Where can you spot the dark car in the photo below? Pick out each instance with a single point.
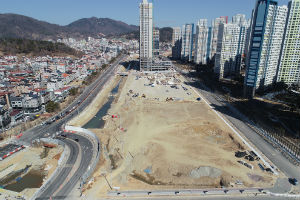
(48, 122)
(293, 181)
(76, 139)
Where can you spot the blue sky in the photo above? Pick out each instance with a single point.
(166, 12)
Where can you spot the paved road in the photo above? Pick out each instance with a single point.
(58, 181)
(234, 117)
(59, 189)
(202, 198)
(86, 156)
(84, 145)
(85, 98)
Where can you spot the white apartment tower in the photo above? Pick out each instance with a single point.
(289, 69)
(239, 19)
(146, 34)
(176, 35)
(214, 35)
(230, 47)
(176, 43)
(187, 42)
(201, 42)
(156, 42)
(267, 30)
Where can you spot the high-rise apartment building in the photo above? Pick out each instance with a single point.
(176, 43)
(201, 42)
(266, 37)
(289, 68)
(209, 36)
(156, 42)
(146, 34)
(214, 35)
(176, 35)
(187, 42)
(225, 19)
(230, 47)
(239, 19)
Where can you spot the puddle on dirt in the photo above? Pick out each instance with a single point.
(97, 121)
(15, 181)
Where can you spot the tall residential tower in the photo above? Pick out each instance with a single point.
(230, 47)
(268, 24)
(289, 70)
(187, 42)
(156, 42)
(176, 43)
(146, 34)
(201, 42)
(214, 35)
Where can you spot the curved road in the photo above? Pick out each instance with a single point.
(64, 182)
(58, 181)
(84, 147)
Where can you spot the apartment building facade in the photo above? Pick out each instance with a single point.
(214, 35)
(146, 34)
(289, 67)
(187, 42)
(230, 47)
(176, 43)
(266, 38)
(201, 42)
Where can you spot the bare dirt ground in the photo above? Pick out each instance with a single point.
(39, 159)
(159, 144)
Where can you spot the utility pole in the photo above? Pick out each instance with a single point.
(104, 175)
(81, 185)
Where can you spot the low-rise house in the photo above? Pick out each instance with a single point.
(16, 102)
(32, 105)
(45, 97)
(16, 115)
(4, 116)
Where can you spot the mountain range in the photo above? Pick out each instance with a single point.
(19, 26)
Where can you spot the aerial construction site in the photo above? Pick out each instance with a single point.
(160, 134)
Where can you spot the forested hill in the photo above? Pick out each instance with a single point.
(12, 46)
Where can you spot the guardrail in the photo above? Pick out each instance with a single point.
(270, 138)
(283, 145)
(66, 151)
(296, 196)
(96, 144)
(61, 162)
(233, 128)
(187, 192)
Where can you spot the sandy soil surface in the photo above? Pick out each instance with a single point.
(41, 160)
(179, 143)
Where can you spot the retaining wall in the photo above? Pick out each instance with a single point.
(96, 154)
(61, 162)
